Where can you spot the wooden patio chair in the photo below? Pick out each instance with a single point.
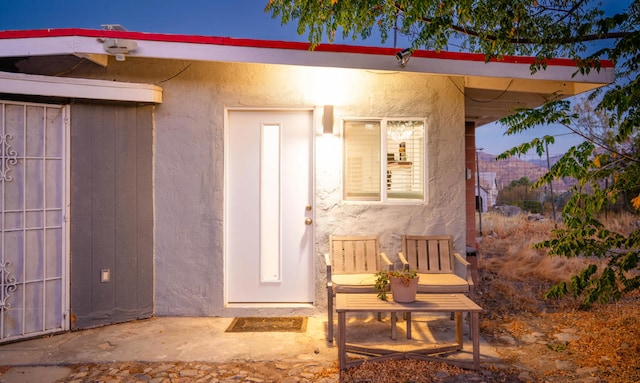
(435, 261)
(352, 263)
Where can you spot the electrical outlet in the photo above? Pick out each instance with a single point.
(105, 275)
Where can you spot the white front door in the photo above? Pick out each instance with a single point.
(269, 206)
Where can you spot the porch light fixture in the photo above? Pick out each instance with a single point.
(119, 47)
(327, 120)
(403, 57)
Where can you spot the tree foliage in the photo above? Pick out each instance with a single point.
(607, 169)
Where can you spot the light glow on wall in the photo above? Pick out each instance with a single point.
(329, 86)
(329, 162)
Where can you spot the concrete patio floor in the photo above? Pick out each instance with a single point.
(187, 339)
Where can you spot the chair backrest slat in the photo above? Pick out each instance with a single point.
(433, 249)
(354, 255)
(429, 254)
(337, 256)
(446, 255)
(422, 255)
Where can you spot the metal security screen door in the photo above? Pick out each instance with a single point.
(33, 239)
(268, 211)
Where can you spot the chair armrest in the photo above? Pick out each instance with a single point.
(327, 260)
(405, 263)
(386, 261)
(458, 258)
(462, 261)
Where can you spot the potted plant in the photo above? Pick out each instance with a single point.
(404, 285)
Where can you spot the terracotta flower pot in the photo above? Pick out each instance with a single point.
(402, 293)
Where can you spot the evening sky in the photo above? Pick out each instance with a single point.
(225, 18)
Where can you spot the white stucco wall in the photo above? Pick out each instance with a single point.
(398, 95)
(189, 163)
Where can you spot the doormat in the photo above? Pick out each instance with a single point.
(268, 324)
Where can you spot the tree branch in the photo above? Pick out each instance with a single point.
(523, 41)
(601, 145)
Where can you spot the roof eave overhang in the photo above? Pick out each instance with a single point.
(511, 74)
(201, 48)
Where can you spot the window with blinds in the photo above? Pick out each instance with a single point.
(362, 160)
(400, 176)
(405, 159)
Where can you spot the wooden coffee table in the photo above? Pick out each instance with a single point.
(457, 303)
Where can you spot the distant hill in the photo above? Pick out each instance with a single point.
(542, 162)
(515, 168)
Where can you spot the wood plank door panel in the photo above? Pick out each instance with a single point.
(112, 216)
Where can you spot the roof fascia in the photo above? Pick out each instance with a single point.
(18, 83)
(201, 48)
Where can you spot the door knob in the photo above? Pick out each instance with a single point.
(308, 221)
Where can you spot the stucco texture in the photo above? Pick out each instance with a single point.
(189, 163)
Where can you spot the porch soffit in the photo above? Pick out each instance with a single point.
(27, 84)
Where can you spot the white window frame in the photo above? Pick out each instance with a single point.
(383, 192)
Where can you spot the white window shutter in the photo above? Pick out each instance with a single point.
(362, 160)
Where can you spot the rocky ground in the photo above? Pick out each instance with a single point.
(602, 345)
(557, 341)
(538, 340)
(543, 345)
(258, 372)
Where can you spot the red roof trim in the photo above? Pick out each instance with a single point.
(273, 44)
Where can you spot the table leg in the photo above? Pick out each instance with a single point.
(459, 329)
(475, 326)
(408, 316)
(342, 340)
(394, 330)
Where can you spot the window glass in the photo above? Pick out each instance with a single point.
(362, 160)
(401, 176)
(405, 159)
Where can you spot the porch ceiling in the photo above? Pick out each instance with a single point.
(488, 99)
(484, 106)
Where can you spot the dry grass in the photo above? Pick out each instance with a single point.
(621, 223)
(513, 280)
(508, 249)
(394, 371)
(518, 274)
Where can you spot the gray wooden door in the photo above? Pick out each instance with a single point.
(111, 213)
(33, 213)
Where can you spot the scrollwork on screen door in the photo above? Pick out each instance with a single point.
(9, 158)
(7, 285)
